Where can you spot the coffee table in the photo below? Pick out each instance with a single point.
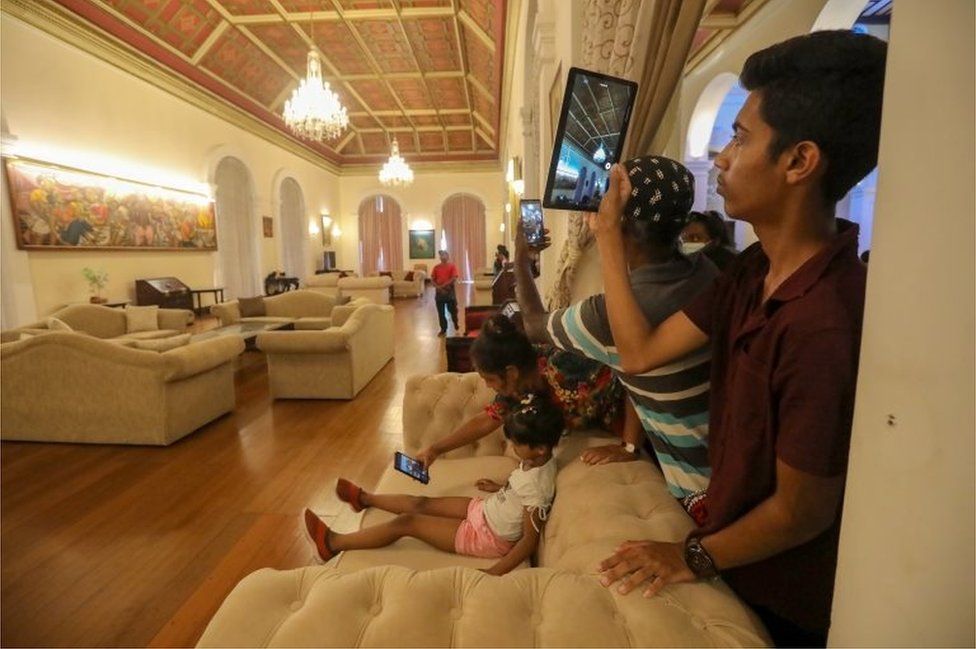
(247, 330)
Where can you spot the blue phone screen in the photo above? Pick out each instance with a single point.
(411, 467)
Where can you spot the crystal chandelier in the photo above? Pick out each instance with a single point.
(314, 111)
(396, 172)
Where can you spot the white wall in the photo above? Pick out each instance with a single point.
(422, 200)
(57, 97)
(906, 571)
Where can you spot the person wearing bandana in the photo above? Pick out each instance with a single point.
(672, 402)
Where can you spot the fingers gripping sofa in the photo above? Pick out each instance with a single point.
(410, 594)
(71, 387)
(332, 364)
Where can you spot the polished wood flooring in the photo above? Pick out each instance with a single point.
(138, 546)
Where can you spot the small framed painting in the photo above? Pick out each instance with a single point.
(268, 224)
(422, 244)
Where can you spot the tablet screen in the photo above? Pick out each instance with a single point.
(592, 127)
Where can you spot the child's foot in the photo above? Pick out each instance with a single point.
(350, 493)
(318, 531)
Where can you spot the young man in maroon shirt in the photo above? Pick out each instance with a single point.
(784, 323)
(444, 276)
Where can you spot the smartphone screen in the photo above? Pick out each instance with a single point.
(411, 467)
(532, 221)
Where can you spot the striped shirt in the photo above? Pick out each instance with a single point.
(671, 401)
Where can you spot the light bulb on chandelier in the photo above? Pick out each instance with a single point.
(396, 171)
(314, 110)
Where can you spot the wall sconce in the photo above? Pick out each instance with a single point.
(508, 208)
(501, 227)
(313, 229)
(326, 221)
(518, 186)
(336, 232)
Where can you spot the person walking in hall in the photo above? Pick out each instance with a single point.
(445, 276)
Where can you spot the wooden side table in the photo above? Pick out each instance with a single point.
(197, 293)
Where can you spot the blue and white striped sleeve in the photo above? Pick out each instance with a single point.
(584, 328)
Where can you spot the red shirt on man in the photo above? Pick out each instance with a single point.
(441, 274)
(783, 378)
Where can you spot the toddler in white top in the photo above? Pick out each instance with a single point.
(505, 525)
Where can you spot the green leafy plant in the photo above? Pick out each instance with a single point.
(97, 279)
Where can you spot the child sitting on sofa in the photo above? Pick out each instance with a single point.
(504, 526)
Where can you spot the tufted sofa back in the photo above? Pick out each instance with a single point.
(433, 406)
(392, 606)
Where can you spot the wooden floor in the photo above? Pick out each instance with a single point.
(138, 546)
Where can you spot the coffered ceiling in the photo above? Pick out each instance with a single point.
(426, 71)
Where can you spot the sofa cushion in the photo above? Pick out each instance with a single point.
(149, 335)
(251, 306)
(268, 319)
(408, 277)
(56, 324)
(313, 323)
(141, 318)
(162, 344)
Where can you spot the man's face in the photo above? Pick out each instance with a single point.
(751, 183)
(444, 257)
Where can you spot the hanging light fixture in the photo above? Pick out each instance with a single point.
(396, 171)
(314, 111)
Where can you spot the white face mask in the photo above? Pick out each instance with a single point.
(689, 248)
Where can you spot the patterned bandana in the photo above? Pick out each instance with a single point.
(662, 194)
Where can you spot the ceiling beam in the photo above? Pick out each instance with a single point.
(207, 44)
(476, 29)
(719, 21)
(462, 57)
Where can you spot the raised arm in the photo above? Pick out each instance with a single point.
(524, 547)
(534, 314)
(640, 346)
(470, 431)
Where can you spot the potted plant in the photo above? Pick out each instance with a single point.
(97, 279)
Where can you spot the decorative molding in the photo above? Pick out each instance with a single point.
(51, 19)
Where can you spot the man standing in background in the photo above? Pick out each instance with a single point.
(444, 276)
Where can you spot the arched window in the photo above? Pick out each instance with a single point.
(380, 237)
(236, 231)
(294, 229)
(463, 218)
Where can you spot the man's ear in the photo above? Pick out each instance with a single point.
(805, 162)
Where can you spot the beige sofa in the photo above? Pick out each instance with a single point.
(305, 309)
(374, 289)
(105, 322)
(410, 594)
(333, 364)
(402, 287)
(327, 283)
(71, 387)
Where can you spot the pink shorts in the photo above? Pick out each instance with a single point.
(475, 539)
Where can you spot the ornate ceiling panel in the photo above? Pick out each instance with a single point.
(720, 20)
(426, 71)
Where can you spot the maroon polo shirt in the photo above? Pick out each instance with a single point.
(783, 378)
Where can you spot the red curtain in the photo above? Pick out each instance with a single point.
(380, 236)
(463, 219)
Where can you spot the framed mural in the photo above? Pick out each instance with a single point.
(58, 208)
(422, 244)
(555, 101)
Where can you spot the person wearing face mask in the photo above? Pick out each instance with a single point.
(706, 233)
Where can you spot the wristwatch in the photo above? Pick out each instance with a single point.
(630, 448)
(698, 559)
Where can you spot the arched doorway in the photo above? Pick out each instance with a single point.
(463, 220)
(708, 132)
(380, 235)
(236, 230)
(294, 230)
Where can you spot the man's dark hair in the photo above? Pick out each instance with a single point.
(536, 421)
(653, 238)
(500, 344)
(825, 87)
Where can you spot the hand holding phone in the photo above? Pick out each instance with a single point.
(413, 468)
(531, 218)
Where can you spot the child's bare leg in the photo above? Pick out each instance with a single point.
(451, 507)
(439, 531)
